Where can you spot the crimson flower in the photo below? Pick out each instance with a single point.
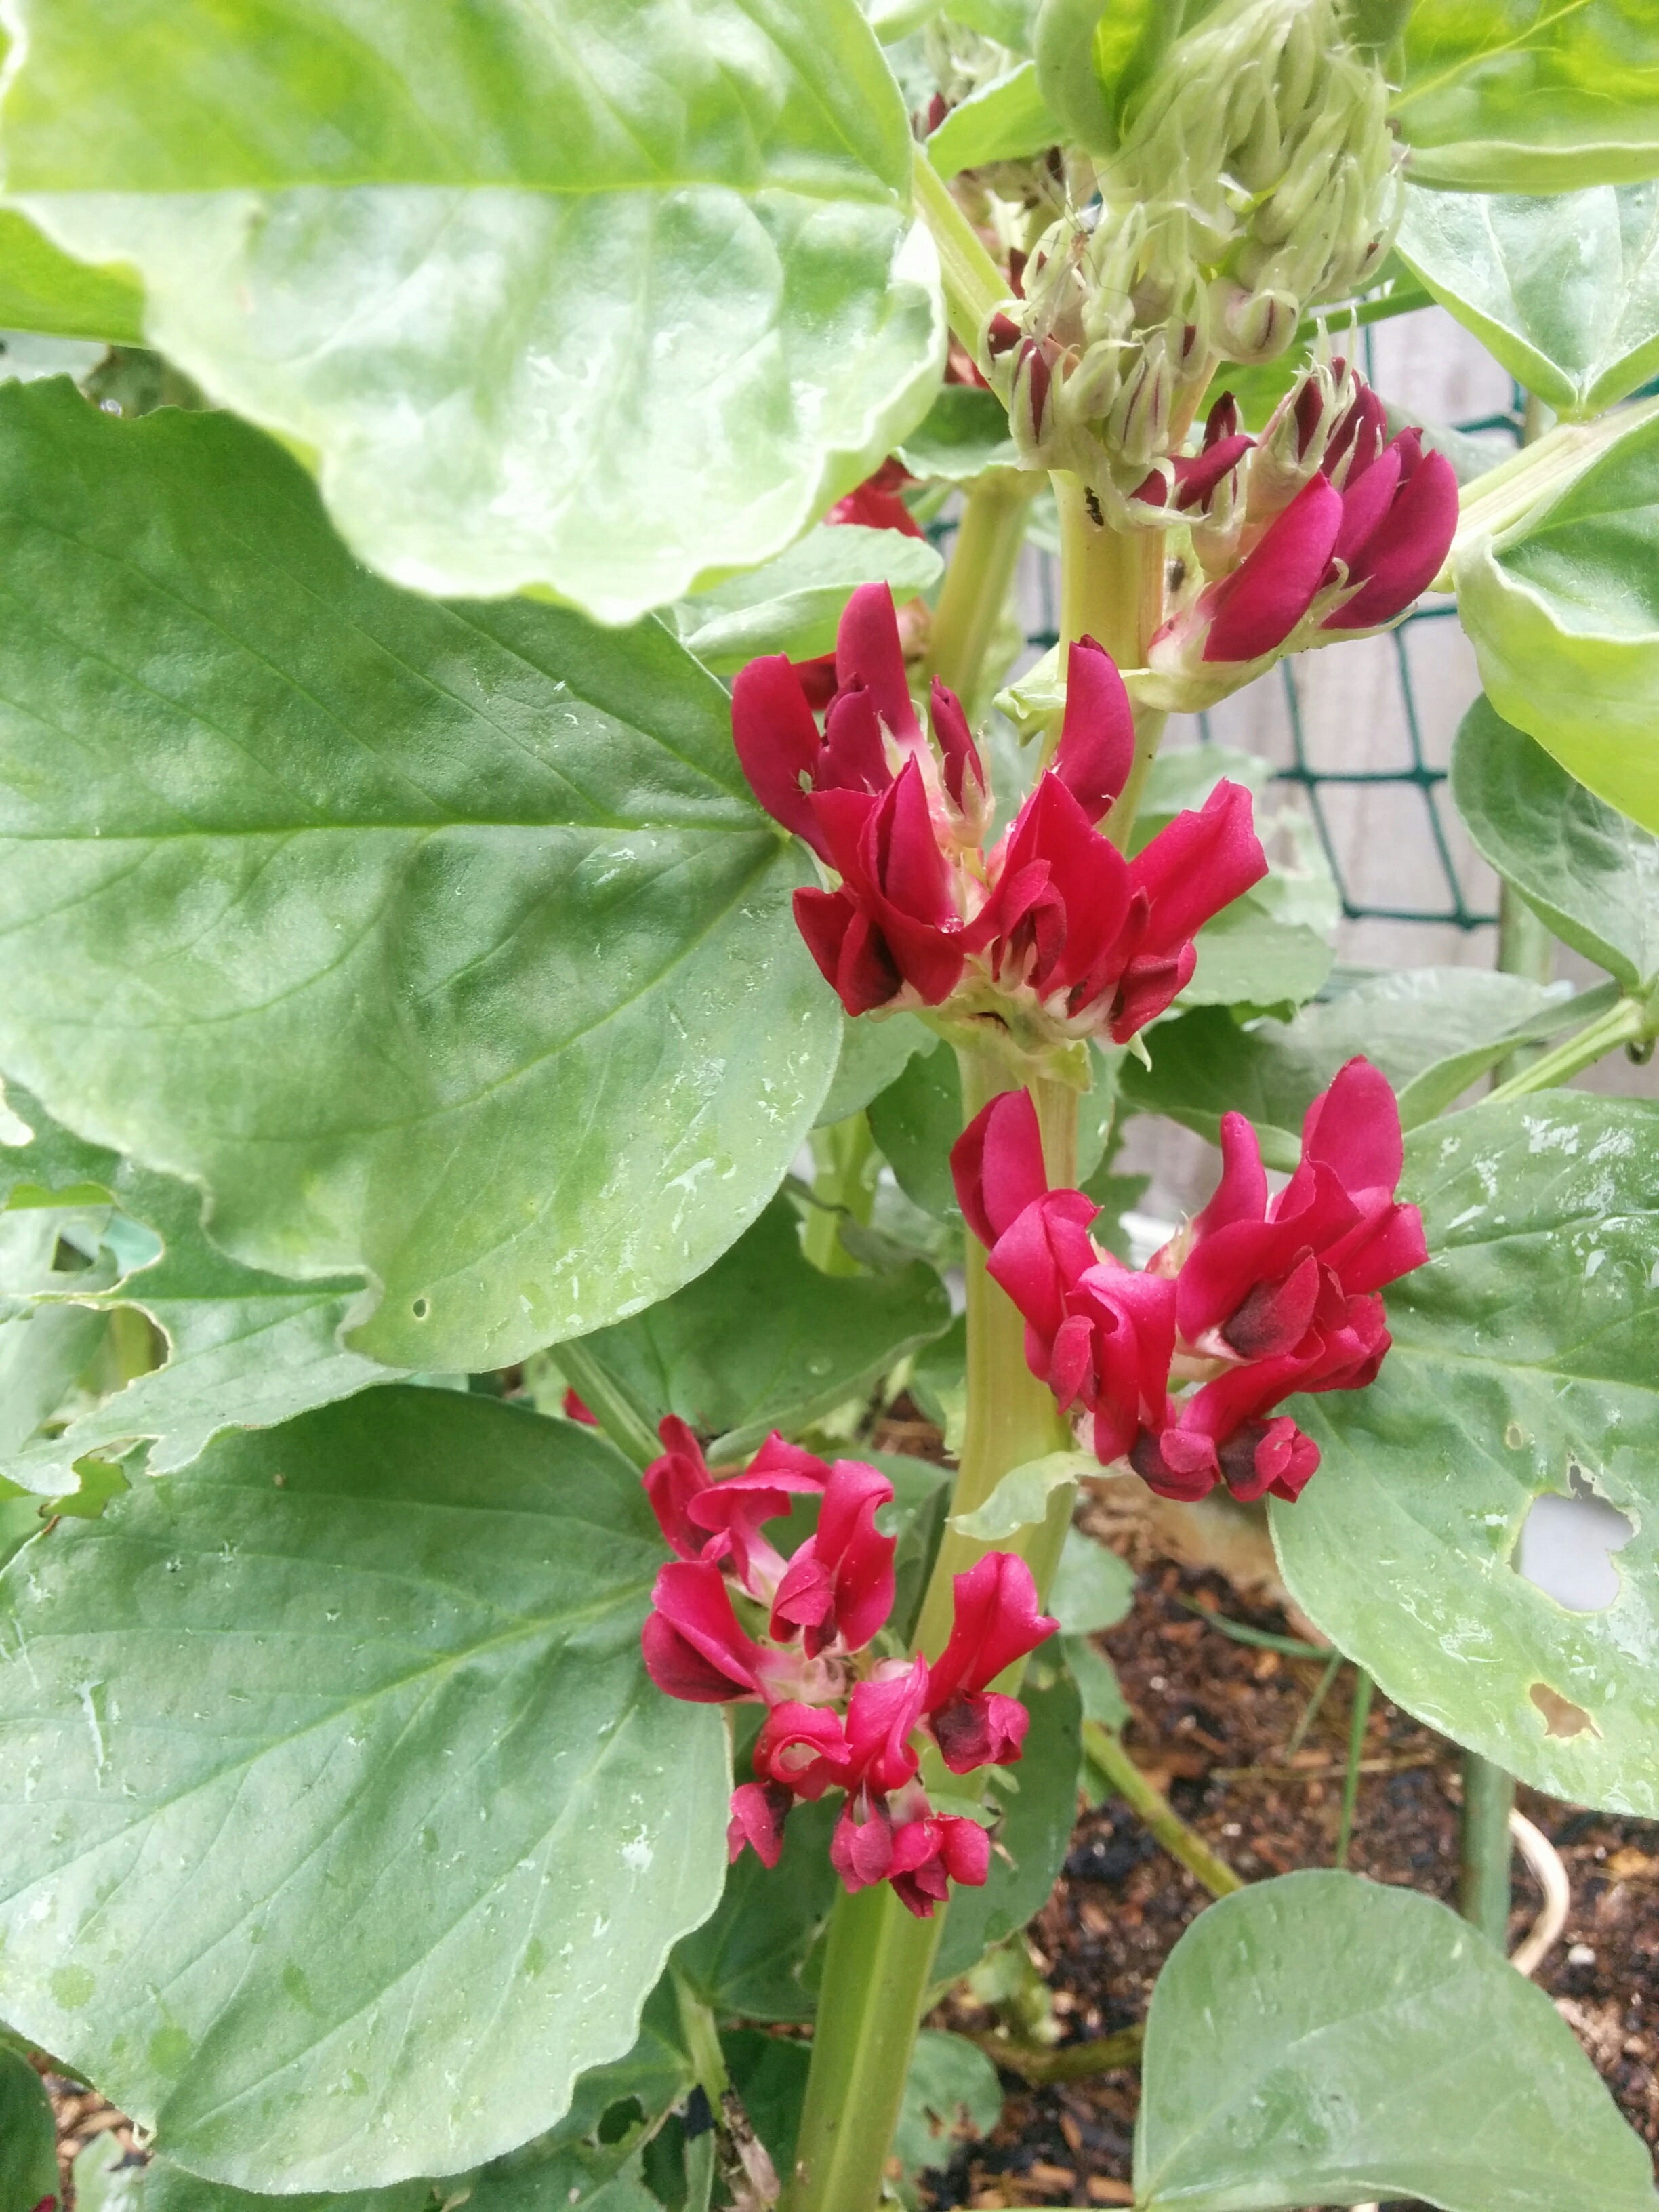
(703, 1517)
(1362, 538)
(997, 1621)
(1279, 1295)
(839, 1585)
(920, 1852)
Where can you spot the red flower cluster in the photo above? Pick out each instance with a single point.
(1052, 926)
(1366, 531)
(1255, 1299)
(835, 1719)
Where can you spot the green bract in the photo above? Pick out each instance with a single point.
(1562, 610)
(1525, 1363)
(1319, 2039)
(1563, 291)
(342, 1827)
(1002, 122)
(463, 259)
(1529, 95)
(441, 942)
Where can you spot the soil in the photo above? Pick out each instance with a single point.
(1212, 1720)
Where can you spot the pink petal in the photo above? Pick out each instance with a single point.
(997, 1166)
(1199, 864)
(1407, 549)
(956, 742)
(1354, 1128)
(1257, 607)
(868, 651)
(1097, 747)
(777, 742)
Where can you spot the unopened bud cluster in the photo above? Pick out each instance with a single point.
(1256, 177)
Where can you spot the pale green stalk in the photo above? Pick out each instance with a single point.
(982, 560)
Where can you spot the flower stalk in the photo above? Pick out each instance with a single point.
(975, 589)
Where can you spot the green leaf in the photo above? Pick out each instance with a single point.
(19, 1519)
(245, 1349)
(1530, 96)
(40, 1355)
(1270, 947)
(1011, 23)
(764, 1341)
(342, 1829)
(769, 2073)
(1093, 60)
(1563, 611)
(951, 2095)
(1204, 1064)
(793, 603)
(441, 943)
(1100, 1693)
(746, 1962)
(604, 359)
(871, 1054)
(1004, 121)
(1020, 1499)
(938, 1383)
(915, 1120)
(1036, 1828)
(1525, 1363)
(102, 2182)
(1591, 872)
(28, 2136)
(964, 433)
(1092, 1589)
(1319, 2039)
(1565, 291)
(43, 289)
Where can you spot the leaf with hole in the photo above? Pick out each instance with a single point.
(605, 360)
(1319, 2040)
(342, 1828)
(443, 943)
(1562, 610)
(1527, 96)
(1591, 871)
(1525, 1364)
(765, 1340)
(1565, 291)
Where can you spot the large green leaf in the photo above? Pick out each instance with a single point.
(1204, 1064)
(766, 1340)
(28, 2136)
(1530, 96)
(1319, 2040)
(793, 603)
(1565, 291)
(578, 2162)
(1038, 1816)
(1525, 1363)
(1589, 871)
(442, 943)
(597, 298)
(1563, 611)
(342, 1828)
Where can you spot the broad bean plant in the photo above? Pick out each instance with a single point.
(559, 961)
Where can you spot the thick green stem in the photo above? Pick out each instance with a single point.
(876, 1972)
(876, 1968)
(1111, 590)
(1155, 1814)
(982, 560)
(974, 285)
(1483, 1896)
(1503, 494)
